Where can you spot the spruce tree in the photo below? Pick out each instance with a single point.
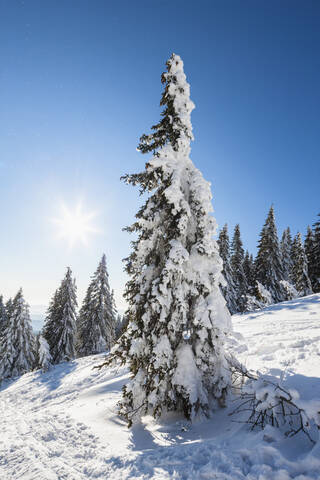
(299, 274)
(43, 357)
(285, 249)
(248, 268)
(268, 265)
(178, 320)
(316, 256)
(228, 288)
(17, 343)
(3, 316)
(309, 247)
(60, 325)
(238, 274)
(97, 317)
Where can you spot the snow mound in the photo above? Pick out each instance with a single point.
(62, 424)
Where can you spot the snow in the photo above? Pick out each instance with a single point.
(63, 425)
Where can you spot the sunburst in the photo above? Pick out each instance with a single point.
(75, 225)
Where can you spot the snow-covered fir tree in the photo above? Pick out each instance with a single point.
(316, 256)
(97, 317)
(43, 357)
(238, 274)
(60, 324)
(309, 247)
(17, 343)
(9, 307)
(248, 268)
(3, 316)
(178, 320)
(228, 288)
(268, 265)
(285, 249)
(299, 273)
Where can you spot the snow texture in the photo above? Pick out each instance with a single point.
(62, 424)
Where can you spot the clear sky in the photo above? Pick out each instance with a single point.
(79, 84)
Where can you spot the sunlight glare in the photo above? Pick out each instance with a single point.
(75, 225)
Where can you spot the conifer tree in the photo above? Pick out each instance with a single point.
(17, 343)
(238, 274)
(268, 265)
(299, 274)
(309, 247)
(316, 256)
(228, 289)
(9, 307)
(3, 316)
(248, 268)
(97, 318)
(285, 249)
(60, 325)
(178, 320)
(43, 357)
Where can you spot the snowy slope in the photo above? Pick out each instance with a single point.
(62, 425)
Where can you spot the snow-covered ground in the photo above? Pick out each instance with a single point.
(62, 425)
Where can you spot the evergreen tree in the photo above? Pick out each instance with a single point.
(299, 274)
(43, 357)
(228, 288)
(9, 307)
(3, 316)
(238, 274)
(268, 265)
(178, 320)
(316, 257)
(17, 343)
(248, 268)
(60, 325)
(309, 247)
(285, 249)
(97, 318)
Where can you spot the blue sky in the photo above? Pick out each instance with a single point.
(79, 84)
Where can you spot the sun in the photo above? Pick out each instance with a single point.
(75, 225)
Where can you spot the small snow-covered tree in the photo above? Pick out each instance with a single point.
(97, 317)
(43, 357)
(285, 249)
(238, 274)
(299, 274)
(18, 343)
(248, 268)
(309, 247)
(316, 256)
(268, 265)
(60, 325)
(178, 320)
(3, 316)
(228, 288)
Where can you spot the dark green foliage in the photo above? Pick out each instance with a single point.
(168, 130)
(299, 273)
(3, 316)
(268, 265)
(97, 317)
(60, 325)
(285, 249)
(238, 274)
(228, 290)
(249, 271)
(316, 257)
(17, 345)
